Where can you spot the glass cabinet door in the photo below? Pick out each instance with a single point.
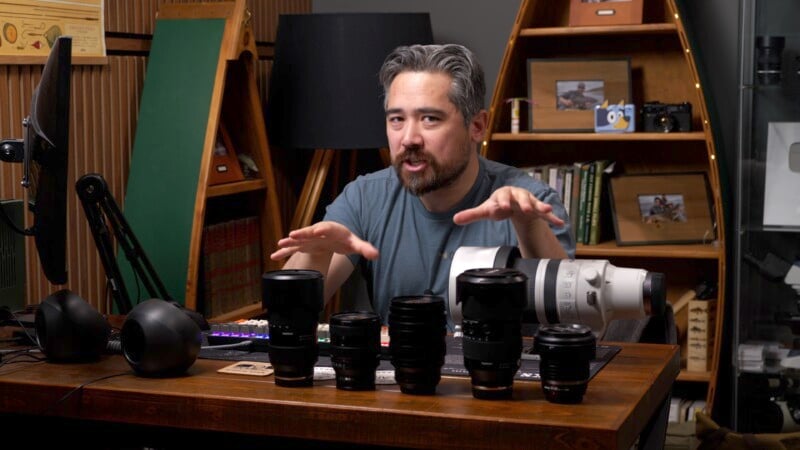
(766, 357)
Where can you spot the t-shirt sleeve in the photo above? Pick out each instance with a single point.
(547, 194)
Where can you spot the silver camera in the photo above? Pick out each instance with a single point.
(587, 292)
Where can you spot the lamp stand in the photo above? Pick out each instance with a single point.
(322, 162)
(312, 188)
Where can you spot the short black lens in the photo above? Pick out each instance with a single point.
(417, 329)
(355, 349)
(769, 51)
(565, 351)
(293, 300)
(492, 301)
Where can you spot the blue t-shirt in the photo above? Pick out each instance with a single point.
(416, 245)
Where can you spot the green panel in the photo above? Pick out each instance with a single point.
(167, 150)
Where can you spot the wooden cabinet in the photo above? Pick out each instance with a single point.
(662, 69)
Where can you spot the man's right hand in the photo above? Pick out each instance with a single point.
(324, 237)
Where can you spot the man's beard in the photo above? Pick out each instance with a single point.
(435, 176)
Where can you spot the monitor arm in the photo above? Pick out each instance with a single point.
(13, 151)
(99, 206)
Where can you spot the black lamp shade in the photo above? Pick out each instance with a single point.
(324, 89)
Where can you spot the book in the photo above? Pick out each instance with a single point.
(574, 207)
(566, 197)
(231, 265)
(597, 201)
(552, 178)
(587, 213)
(578, 220)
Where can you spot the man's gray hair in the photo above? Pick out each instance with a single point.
(468, 88)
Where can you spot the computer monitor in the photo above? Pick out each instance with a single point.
(44, 154)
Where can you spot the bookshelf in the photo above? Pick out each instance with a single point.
(662, 69)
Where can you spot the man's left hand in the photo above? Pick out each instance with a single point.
(509, 202)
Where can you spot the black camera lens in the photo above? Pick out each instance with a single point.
(665, 122)
(293, 300)
(768, 58)
(355, 349)
(492, 301)
(417, 329)
(565, 351)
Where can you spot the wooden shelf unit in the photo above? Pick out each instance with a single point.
(662, 69)
(218, 91)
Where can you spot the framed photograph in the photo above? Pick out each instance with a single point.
(564, 92)
(605, 12)
(661, 209)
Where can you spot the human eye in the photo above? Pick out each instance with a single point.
(394, 120)
(430, 119)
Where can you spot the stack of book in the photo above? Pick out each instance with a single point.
(231, 265)
(582, 188)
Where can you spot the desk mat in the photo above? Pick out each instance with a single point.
(453, 360)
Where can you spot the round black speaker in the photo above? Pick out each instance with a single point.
(69, 329)
(159, 339)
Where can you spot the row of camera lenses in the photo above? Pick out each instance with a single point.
(492, 302)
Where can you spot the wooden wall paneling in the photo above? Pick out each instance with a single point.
(104, 111)
(103, 114)
(138, 16)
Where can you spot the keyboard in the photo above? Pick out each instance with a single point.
(257, 331)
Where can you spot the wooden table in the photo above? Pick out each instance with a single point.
(618, 404)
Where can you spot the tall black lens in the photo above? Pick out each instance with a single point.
(565, 351)
(293, 300)
(492, 301)
(355, 349)
(417, 329)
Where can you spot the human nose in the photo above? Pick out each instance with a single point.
(411, 135)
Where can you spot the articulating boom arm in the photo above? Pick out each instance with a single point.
(99, 206)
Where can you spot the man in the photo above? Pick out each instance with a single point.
(576, 99)
(401, 225)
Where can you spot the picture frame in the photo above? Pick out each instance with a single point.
(563, 92)
(605, 12)
(661, 209)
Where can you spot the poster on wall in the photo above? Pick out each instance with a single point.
(782, 178)
(29, 28)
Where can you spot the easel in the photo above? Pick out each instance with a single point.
(200, 73)
(318, 170)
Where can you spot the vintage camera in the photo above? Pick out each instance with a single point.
(666, 117)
